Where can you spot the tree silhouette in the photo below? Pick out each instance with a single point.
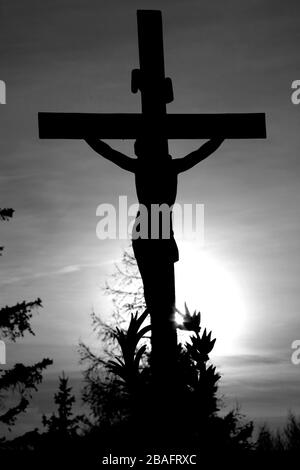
(118, 390)
(64, 423)
(118, 381)
(20, 380)
(125, 289)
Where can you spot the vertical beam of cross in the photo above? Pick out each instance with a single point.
(156, 91)
(152, 66)
(150, 78)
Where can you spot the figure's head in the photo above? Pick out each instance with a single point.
(144, 148)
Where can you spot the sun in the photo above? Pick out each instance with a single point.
(211, 288)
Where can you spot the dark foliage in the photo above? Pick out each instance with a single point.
(15, 320)
(125, 391)
(63, 423)
(5, 214)
(20, 380)
(118, 391)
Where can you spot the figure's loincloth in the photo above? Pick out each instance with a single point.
(151, 250)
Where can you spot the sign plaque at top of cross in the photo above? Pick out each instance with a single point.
(156, 92)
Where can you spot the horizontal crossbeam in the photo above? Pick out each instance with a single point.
(170, 126)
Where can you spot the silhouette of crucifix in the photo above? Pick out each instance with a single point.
(155, 171)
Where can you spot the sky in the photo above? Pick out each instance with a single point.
(77, 56)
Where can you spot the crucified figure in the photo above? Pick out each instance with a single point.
(156, 178)
(156, 175)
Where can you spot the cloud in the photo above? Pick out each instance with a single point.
(61, 271)
(250, 360)
(69, 269)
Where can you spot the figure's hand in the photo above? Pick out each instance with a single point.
(210, 146)
(97, 144)
(92, 140)
(217, 140)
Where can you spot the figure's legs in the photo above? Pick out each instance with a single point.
(156, 266)
(157, 272)
(164, 337)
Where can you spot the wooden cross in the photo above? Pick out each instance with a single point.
(156, 92)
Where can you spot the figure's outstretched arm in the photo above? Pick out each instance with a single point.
(185, 163)
(114, 156)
